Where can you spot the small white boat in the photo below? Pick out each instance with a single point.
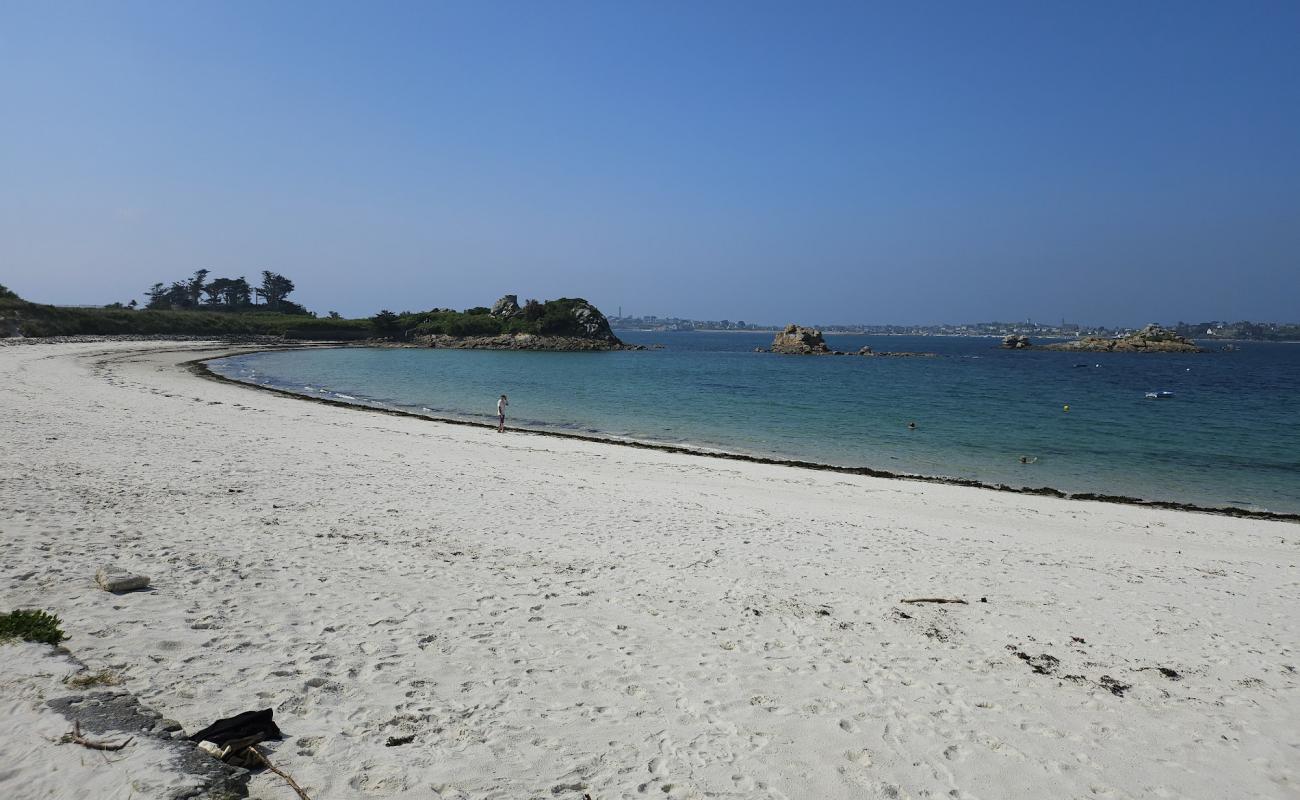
(1159, 395)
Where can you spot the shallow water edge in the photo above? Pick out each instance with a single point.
(200, 368)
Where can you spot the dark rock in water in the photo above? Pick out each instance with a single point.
(1016, 341)
(507, 306)
(797, 340)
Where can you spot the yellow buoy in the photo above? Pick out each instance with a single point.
(1067, 408)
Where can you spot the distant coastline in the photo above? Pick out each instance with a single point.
(829, 333)
(1206, 331)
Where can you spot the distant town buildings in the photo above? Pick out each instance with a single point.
(1260, 331)
(654, 323)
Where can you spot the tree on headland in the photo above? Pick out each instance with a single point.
(387, 324)
(275, 288)
(194, 288)
(178, 295)
(6, 294)
(230, 292)
(223, 294)
(213, 291)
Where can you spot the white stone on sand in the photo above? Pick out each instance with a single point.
(117, 580)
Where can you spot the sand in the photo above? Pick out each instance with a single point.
(552, 618)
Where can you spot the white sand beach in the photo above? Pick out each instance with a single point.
(553, 618)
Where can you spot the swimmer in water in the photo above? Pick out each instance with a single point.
(911, 426)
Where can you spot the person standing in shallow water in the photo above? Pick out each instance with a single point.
(501, 413)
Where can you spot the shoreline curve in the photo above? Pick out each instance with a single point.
(199, 367)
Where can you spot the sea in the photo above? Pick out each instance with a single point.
(1078, 422)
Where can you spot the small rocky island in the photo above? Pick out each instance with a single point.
(796, 340)
(1151, 339)
(800, 341)
(567, 324)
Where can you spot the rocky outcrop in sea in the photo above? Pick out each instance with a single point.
(798, 340)
(1151, 339)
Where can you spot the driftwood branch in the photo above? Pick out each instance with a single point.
(76, 737)
(257, 754)
(916, 600)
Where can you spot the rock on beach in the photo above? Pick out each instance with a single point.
(117, 580)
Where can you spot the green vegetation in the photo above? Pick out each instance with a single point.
(31, 626)
(19, 317)
(37, 320)
(563, 317)
(222, 307)
(224, 294)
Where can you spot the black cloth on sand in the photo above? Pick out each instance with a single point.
(240, 726)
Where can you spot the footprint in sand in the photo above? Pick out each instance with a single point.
(860, 757)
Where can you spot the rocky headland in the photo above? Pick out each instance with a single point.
(1151, 339)
(522, 341)
(570, 325)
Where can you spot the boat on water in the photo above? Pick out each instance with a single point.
(1159, 395)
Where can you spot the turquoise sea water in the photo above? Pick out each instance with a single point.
(1229, 436)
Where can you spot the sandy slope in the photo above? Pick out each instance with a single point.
(551, 617)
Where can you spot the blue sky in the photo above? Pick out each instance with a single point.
(1110, 162)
